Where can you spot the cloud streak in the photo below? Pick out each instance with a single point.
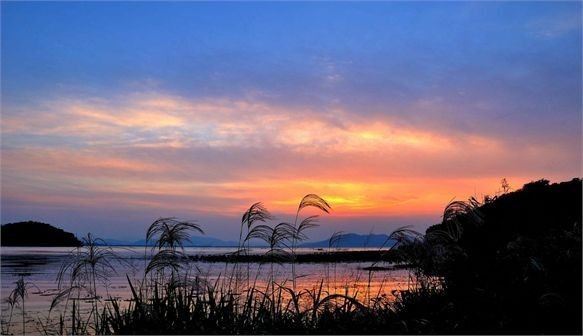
(217, 156)
(389, 110)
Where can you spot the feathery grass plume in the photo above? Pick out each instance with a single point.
(464, 212)
(403, 235)
(256, 213)
(168, 236)
(279, 235)
(456, 215)
(406, 242)
(433, 251)
(171, 233)
(261, 232)
(276, 238)
(85, 267)
(450, 233)
(88, 263)
(441, 245)
(310, 200)
(17, 297)
(282, 233)
(18, 294)
(313, 200)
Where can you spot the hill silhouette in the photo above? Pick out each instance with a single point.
(36, 234)
(509, 265)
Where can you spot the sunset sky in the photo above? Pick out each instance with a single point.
(114, 114)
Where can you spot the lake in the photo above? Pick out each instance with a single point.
(39, 267)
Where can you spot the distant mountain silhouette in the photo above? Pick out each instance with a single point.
(36, 234)
(354, 240)
(345, 240)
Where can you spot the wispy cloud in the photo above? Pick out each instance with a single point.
(216, 156)
(387, 109)
(555, 25)
(158, 121)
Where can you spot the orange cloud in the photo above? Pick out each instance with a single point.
(218, 156)
(175, 122)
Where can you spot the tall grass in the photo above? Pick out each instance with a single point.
(196, 305)
(256, 213)
(525, 287)
(17, 298)
(171, 299)
(78, 279)
(299, 234)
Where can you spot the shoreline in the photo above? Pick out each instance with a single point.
(314, 257)
(232, 257)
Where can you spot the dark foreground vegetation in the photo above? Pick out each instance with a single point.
(36, 234)
(511, 265)
(508, 265)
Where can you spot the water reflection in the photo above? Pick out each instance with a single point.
(40, 266)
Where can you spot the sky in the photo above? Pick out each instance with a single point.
(117, 113)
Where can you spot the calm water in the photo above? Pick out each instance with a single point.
(40, 265)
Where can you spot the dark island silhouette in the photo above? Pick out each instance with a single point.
(32, 233)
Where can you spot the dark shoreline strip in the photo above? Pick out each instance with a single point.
(317, 257)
